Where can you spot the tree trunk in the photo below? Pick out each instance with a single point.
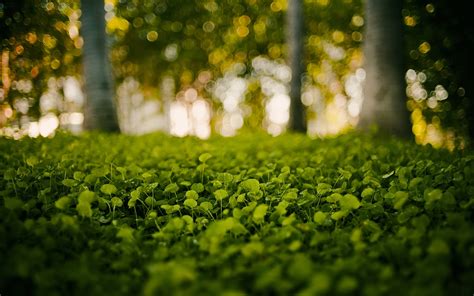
(100, 113)
(384, 90)
(294, 33)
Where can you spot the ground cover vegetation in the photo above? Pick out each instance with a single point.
(358, 214)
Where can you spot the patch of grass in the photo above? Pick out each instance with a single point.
(357, 214)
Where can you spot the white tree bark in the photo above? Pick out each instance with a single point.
(384, 90)
(100, 112)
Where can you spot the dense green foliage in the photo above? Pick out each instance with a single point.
(253, 214)
(197, 42)
(34, 35)
(443, 60)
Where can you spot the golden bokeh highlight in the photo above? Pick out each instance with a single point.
(424, 47)
(410, 21)
(152, 36)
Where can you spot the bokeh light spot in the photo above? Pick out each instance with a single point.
(152, 36)
(424, 47)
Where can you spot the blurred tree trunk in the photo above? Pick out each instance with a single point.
(294, 18)
(384, 91)
(100, 112)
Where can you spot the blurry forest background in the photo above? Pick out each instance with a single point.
(200, 67)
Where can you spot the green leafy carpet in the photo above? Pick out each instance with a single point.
(154, 215)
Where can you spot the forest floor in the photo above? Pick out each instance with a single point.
(252, 215)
